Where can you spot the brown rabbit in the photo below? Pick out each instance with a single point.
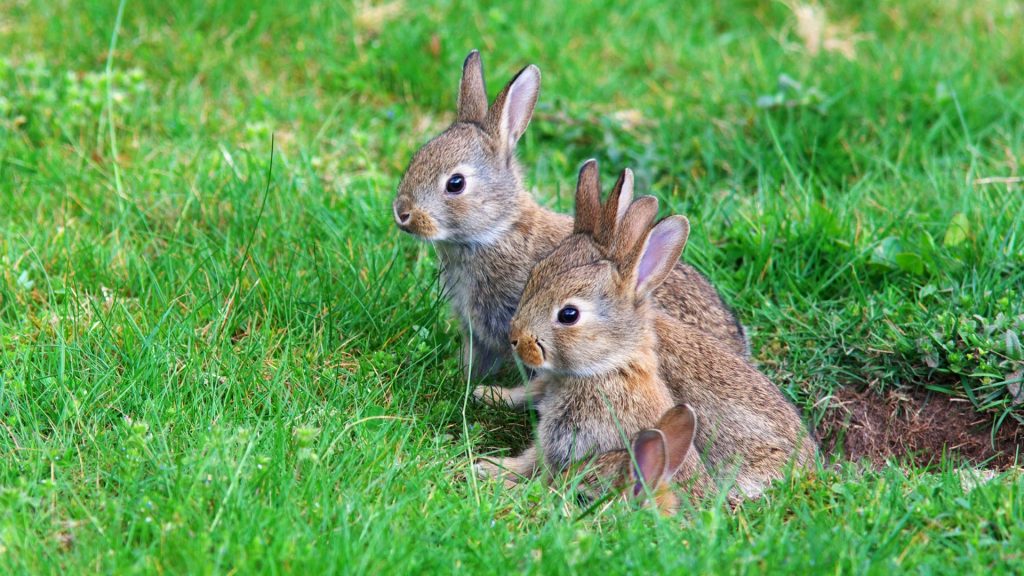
(463, 191)
(585, 325)
(749, 431)
(659, 458)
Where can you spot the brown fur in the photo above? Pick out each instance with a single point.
(489, 237)
(748, 428)
(617, 470)
(749, 431)
(599, 373)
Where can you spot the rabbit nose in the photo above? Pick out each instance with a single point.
(402, 211)
(513, 336)
(527, 347)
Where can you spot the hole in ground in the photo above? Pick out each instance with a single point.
(916, 426)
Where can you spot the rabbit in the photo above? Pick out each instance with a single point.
(585, 326)
(463, 192)
(605, 272)
(659, 457)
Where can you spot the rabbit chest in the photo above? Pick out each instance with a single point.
(579, 418)
(483, 287)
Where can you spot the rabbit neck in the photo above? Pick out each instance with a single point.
(583, 416)
(484, 282)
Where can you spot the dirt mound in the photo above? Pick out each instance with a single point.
(916, 426)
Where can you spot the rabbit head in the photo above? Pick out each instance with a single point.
(584, 309)
(655, 457)
(464, 186)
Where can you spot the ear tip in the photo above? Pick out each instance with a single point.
(528, 78)
(473, 56)
(647, 201)
(650, 434)
(530, 72)
(589, 165)
(627, 180)
(683, 409)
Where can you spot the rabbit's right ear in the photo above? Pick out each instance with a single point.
(631, 230)
(472, 90)
(508, 118)
(588, 199)
(658, 254)
(651, 459)
(678, 425)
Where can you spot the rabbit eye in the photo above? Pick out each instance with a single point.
(568, 315)
(456, 184)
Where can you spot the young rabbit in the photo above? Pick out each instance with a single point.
(599, 278)
(659, 458)
(585, 325)
(463, 191)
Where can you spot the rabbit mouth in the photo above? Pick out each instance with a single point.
(531, 353)
(421, 226)
(413, 220)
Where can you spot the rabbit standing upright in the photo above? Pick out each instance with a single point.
(463, 191)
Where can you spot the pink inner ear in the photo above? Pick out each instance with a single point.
(659, 247)
(650, 453)
(625, 195)
(520, 103)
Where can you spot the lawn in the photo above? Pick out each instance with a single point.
(218, 354)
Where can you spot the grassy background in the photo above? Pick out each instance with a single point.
(204, 374)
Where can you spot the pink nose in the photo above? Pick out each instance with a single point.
(402, 212)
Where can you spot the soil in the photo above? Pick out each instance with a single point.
(916, 426)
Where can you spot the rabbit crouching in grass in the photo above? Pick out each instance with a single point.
(463, 191)
(585, 325)
(605, 358)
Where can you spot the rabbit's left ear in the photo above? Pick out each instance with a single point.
(588, 199)
(659, 253)
(472, 90)
(651, 459)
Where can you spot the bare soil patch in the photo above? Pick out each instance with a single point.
(916, 426)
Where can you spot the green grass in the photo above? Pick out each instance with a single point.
(209, 365)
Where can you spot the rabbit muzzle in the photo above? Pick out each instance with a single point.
(527, 347)
(412, 219)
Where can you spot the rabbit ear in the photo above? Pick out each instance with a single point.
(658, 253)
(651, 457)
(615, 208)
(678, 425)
(508, 118)
(588, 199)
(472, 90)
(630, 232)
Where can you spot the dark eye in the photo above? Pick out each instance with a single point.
(568, 315)
(456, 184)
